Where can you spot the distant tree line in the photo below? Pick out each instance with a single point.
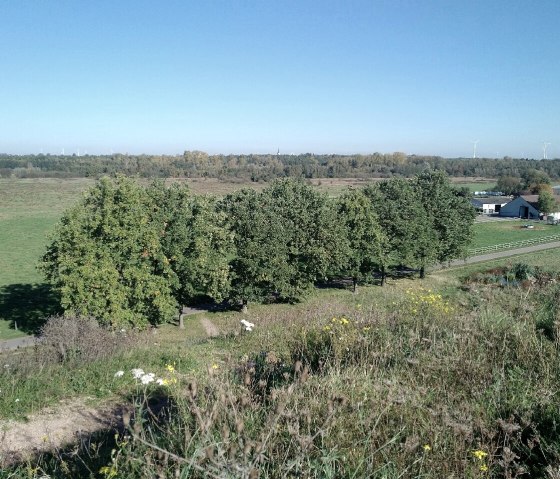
(265, 167)
(129, 255)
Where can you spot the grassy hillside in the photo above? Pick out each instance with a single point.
(435, 378)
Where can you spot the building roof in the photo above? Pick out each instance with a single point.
(530, 198)
(493, 200)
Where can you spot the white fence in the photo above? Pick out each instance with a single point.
(513, 245)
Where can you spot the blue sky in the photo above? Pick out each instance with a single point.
(424, 77)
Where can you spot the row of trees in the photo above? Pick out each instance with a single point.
(266, 167)
(128, 254)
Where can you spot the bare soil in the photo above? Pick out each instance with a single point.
(64, 424)
(56, 427)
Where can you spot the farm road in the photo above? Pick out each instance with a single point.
(15, 343)
(502, 254)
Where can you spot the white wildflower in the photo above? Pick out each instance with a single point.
(119, 374)
(247, 325)
(147, 378)
(137, 373)
(17, 400)
(160, 382)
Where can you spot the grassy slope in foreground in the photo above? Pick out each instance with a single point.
(409, 380)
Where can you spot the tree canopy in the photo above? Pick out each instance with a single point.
(106, 258)
(130, 255)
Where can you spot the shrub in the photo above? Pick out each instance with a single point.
(69, 338)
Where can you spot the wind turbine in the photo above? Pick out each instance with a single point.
(545, 145)
(474, 142)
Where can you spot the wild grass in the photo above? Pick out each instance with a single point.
(408, 381)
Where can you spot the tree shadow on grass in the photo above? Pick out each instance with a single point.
(27, 306)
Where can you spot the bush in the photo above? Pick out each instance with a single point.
(69, 338)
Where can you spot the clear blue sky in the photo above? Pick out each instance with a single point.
(424, 77)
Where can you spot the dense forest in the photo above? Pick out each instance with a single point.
(256, 167)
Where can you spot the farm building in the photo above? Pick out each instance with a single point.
(524, 206)
(491, 205)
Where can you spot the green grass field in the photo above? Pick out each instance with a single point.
(499, 232)
(483, 185)
(29, 208)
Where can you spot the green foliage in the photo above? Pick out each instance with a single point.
(510, 185)
(403, 220)
(106, 258)
(258, 258)
(365, 238)
(313, 238)
(195, 240)
(286, 238)
(547, 203)
(450, 216)
(534, 179)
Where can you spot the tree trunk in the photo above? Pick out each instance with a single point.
(355, 285)
(422, 272)
(181, 321)
(244, 306)
(383, 276)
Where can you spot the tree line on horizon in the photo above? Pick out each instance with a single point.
(256, 167)
(129, 254)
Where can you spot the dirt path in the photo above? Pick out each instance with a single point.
(15, 343)
(210, 328)
(55, 427)
(63, 424)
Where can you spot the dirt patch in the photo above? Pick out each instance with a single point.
(210, 328)
(54, 428)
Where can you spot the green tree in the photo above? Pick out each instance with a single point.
(510, 185)
(286, 238)
(259, 258)
(449, 215)
(534, 179)
(365, 238)
(195, 241)
(311, 234)
(547, 203)
(402, 217)
(106, 258)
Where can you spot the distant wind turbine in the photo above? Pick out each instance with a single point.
(474, 142)
(546, 144)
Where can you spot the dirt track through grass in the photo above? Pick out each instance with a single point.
(210, 328)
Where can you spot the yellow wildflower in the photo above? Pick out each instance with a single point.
(484, 468)
(170, 368)
(479, 454)
(214, 366)
(427, 447)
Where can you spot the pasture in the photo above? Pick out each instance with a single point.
(507, 231)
